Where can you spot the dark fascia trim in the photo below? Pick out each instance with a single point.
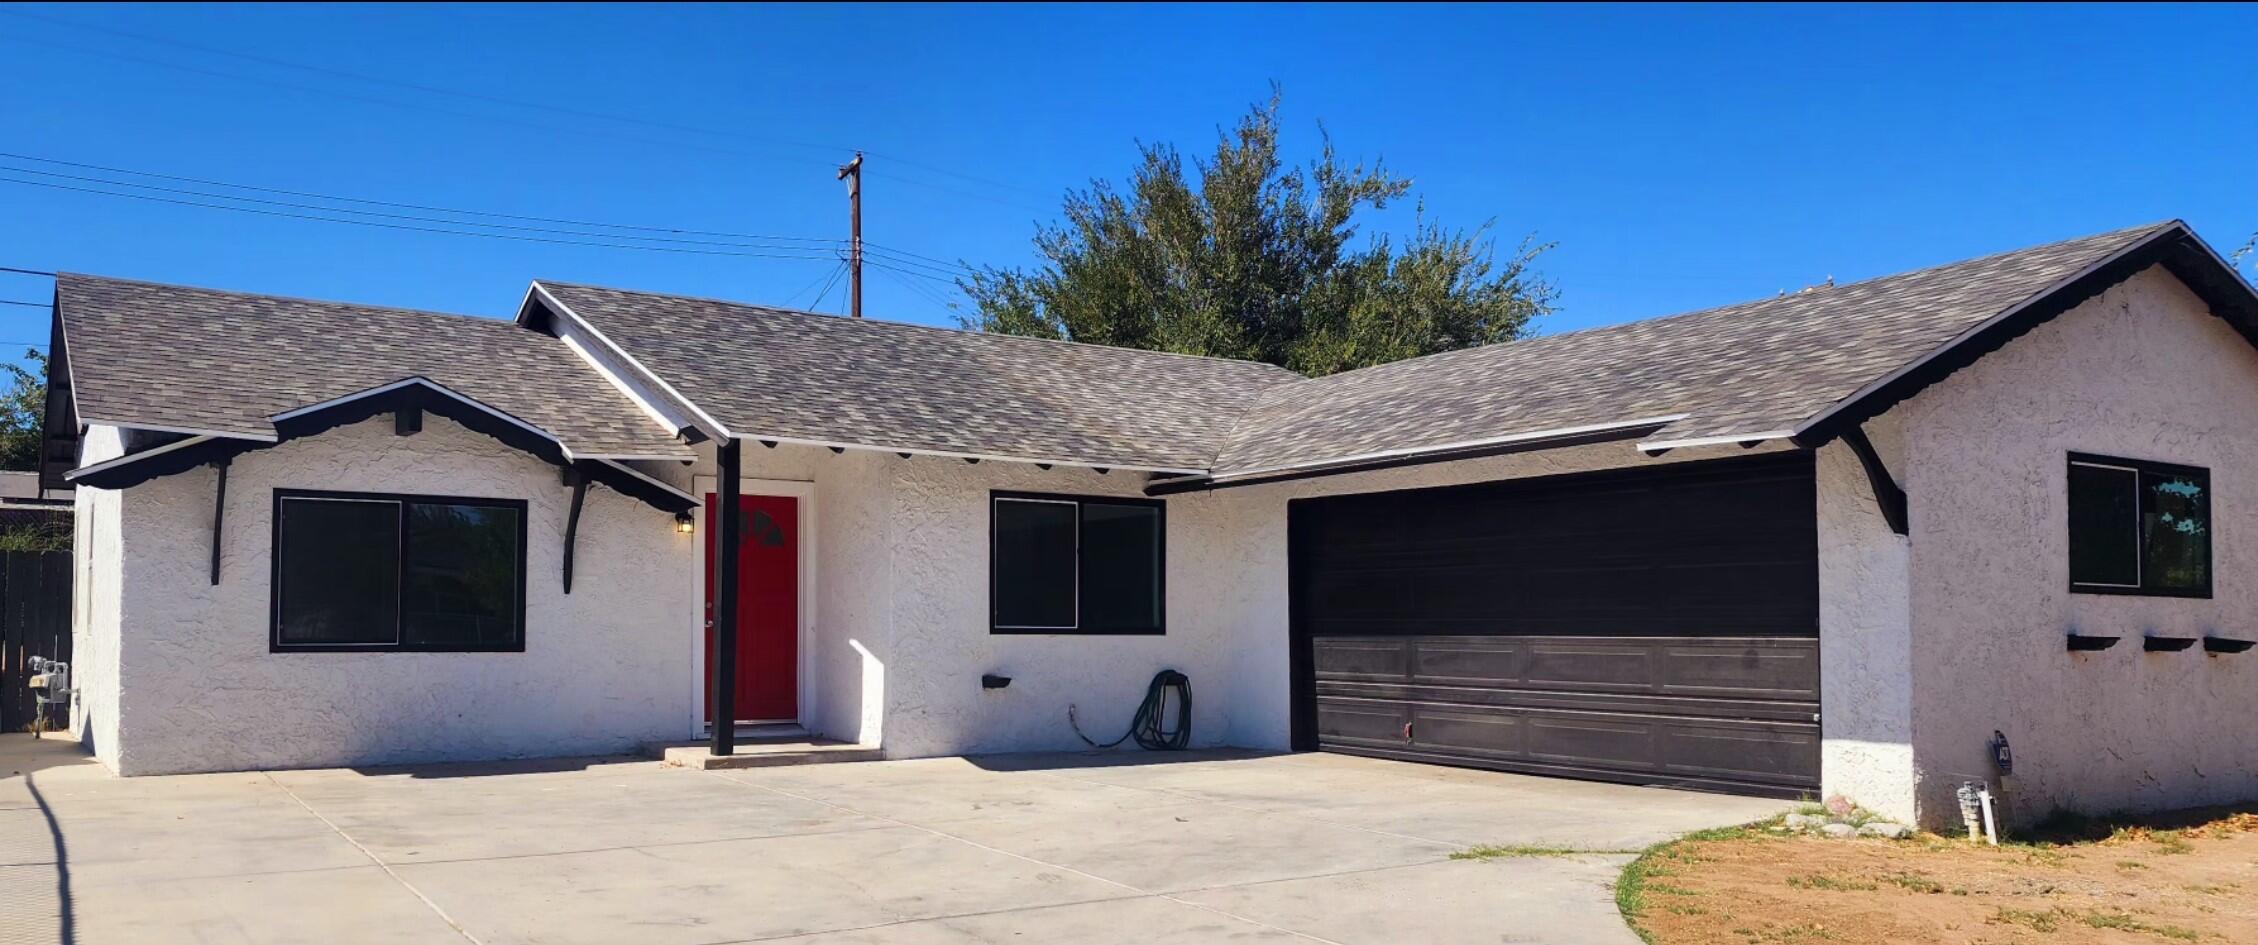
(423, 396)
(2175, 247)
(171, 462)
(59, 415)
(1183, 484)
(634, 487)
(994, 495)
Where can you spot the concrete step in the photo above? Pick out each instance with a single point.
(763, 753)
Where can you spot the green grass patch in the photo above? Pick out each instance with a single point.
(1830, 884)
(1643, 877)
(2036, 920)
(2126, 923)
(1915, 882)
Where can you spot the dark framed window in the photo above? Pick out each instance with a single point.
(1076, 564)
(365, 571)
(2139, 527)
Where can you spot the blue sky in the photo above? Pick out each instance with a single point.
(1679, 157)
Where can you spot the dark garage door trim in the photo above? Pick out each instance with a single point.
(1681, 678)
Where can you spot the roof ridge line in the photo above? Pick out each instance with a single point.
(1655, 319)
(370, 306)
(803, 313)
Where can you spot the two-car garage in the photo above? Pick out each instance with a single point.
(1656, 625)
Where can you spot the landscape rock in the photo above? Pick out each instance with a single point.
(1804, 822)
(1839, 831)
(1885, 830)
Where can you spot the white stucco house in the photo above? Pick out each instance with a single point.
(1830, 542)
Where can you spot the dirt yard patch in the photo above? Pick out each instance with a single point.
(2191, 877)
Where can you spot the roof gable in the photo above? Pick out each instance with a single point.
(207, 362)
(413, 396)
(1800, 365)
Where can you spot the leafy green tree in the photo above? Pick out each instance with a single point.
(1246, 257)
(23, 410)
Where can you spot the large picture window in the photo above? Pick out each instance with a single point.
(2139, 527)
(356, 571)
(1072, 564)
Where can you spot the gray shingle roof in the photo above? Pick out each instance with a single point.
(1757, 367)
(795, 375)
(223, 362)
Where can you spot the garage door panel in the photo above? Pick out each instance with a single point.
(1741, 752)
(1353, 659)
(1782, 670)
(1625, 743)
(1653, 626)
(1499, 735)
(1595, 665)
(1567, 699)
(1770, 668)
(1372, 721)
(1461, 661)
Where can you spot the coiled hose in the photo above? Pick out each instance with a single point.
(1149, 725)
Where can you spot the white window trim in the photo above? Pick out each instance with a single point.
(2140, 576)
(995, 580)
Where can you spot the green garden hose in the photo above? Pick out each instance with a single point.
(1149, 726)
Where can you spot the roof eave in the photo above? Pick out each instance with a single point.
(411, 393)
(2174, 245)
(1525, 442)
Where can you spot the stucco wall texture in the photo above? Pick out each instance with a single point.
(2141, 371)
(197, 689)
(901, 633)
(900, 610)
(1865, 634)
(96, 594)
(1927, 644)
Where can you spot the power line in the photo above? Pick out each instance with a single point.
(410, 206)
(911, 272)
(900, 257)
(957, 264)
(28, 272)
(817, 305)
(403, 226)
(24, 304)
(794, 297)
(926, 266)
(477, 96)
(919, 290)
(391, 216)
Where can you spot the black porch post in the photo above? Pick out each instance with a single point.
(725, 605)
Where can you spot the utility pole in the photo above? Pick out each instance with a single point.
(852, 174)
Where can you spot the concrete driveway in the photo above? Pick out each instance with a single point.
(1091, 849)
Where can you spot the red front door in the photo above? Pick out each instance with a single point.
(768, 606)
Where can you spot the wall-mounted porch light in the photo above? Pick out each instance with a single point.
(685, 523)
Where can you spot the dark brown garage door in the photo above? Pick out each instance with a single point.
(1652, 626)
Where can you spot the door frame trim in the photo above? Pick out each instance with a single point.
(804, 492)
